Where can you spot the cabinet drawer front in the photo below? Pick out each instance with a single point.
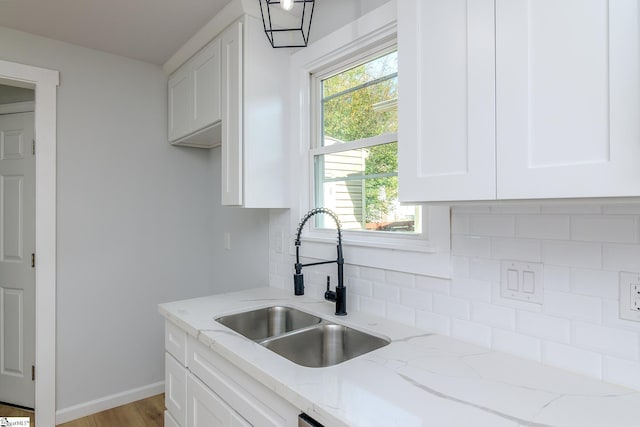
(169, 421)
(175, 342)
(206, 409)
(256, 403)
(175, 389)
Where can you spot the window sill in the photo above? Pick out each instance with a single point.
(415, 257)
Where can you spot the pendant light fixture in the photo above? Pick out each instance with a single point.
(287, 23)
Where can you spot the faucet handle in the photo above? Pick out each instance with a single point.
(328, 283)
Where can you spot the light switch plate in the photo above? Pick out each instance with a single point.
(629, 296)
(521, 280)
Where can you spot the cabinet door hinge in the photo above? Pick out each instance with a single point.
(33, 260)
(33, 147)
(33, 373)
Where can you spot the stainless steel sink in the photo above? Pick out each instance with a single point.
(324, 345)
(268, 322)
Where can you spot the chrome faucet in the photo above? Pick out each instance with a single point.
(340, 294)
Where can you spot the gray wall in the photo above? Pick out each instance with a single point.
(139, 221)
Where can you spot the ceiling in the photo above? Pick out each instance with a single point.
(148, 30)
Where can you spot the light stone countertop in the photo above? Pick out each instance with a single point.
(420, 379)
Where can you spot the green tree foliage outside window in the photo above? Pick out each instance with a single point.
(349, 114)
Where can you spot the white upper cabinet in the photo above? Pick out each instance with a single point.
(255, 90)
(568, 98)
(194, 100)
(446, 96)
(518, 99)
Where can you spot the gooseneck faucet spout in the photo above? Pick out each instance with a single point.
(340, 294)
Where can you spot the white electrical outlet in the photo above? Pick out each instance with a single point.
(521, 280)
(629, 296)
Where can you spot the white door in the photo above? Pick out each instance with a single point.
(446, 84)
(17, 243)
(568, 98)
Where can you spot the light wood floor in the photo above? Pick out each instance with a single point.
(143, 413)
(10, 411)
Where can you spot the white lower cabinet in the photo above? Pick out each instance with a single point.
(206, 409)
(206, 390)
(169, 421)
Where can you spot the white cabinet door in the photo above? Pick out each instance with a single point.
(206, 85)
(175, 389)
(232, 143)
(194, 99)
(568, 98)
(206, 409)
(446, 100)
(180, 99)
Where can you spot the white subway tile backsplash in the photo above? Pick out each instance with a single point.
(572, 359)
(401, 279)
(524, 208)
(433, 322)
(597, 283)
(542, 326)
(460, 223)
(472, 289)
(359, 287)
(373, 274)
(401, 314)
(472, 246)
(433, 284)
(557, 278)
(416, 299)
(492, 315)
(622, 209)
(614, 229)
(471, 332)
(517, 249)
(543, 226)
(492, 225)
(621, 371)
(484, 269)
(573, 306)
(572, 254)
(454, 307)
(609, 341)
(517, 344)
(618, 257)
(611, 316)
(570, 208)
(577, 327)
(386, 292)
(460, 266)
(372, 306)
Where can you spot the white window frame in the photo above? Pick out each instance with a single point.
(426, 253)
(416, 240)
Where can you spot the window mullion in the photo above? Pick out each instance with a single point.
(385, 138)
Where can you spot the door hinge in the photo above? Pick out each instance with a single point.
(33, 260)
(33, 147)
(33, 373)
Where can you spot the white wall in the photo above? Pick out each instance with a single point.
(329, 15)
(583, 248)
(139, 221)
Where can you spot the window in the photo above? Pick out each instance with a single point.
(355, 152)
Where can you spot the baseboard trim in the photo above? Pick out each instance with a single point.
(88, 408)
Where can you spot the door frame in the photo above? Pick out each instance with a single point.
(45, 83)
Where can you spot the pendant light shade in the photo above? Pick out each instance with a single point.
(287, 23)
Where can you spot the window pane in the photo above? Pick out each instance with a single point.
(384, 66)
(361, 186)
(360, 103)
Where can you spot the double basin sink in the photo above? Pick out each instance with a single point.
(301, 337)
